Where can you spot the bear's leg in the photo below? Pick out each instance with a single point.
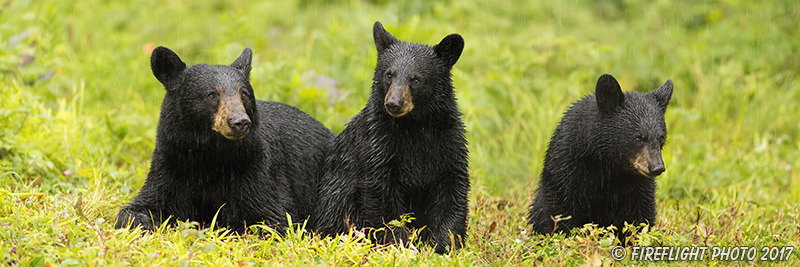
(544, 212)
(138, 216)
(383, 204)
(336, 208)
(447, 214)
(539, 219)
(636, 211)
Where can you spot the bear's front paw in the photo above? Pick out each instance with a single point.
(443, 246)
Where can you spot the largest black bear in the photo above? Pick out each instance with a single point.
(602, 160)
(405, 152)
(219, 149)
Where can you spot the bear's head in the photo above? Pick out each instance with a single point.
(410, 76)
(207, 98)
(632, 126)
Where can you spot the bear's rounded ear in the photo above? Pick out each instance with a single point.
(663, 94)
(383, 39)
(449, 49)
(243, 62)
(608, 94)
(166, 65)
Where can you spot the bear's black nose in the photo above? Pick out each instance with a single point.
(393, 107)
(239, 124)
(657, 170)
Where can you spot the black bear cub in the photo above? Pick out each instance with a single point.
(405, 152)
(220, 151)
(603, 158)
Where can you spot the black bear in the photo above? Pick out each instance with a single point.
(404, 153)
(603, 158)
(220, 151)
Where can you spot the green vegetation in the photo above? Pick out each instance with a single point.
(79, 109)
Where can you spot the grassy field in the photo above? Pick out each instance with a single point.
(79, 108)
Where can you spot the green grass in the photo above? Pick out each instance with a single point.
(79, 109)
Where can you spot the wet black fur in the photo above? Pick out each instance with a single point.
(195, 170)
(587, 173)
(381, 167)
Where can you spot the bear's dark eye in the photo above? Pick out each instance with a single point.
(212, 96)
(415, 80)
(662, 140)
(244, 94)
(389, 75)
(641, 138)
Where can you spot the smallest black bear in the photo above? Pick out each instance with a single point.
(220, 152)
(602, 160)
(405, 152)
